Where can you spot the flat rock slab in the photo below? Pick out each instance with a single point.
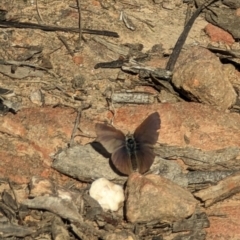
(37, 133)
(86, 164)
(197, 159)
(182, 124)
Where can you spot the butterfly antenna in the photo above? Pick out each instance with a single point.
(111, 107)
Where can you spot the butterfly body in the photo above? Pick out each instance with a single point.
(130, 144)
(133, 152)
(132, 147)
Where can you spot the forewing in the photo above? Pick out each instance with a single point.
(110, 137)
(122, 161)
(145, 156)
(147, 131)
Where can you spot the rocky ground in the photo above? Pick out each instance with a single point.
(48, 78)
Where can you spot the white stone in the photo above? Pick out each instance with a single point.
(109, 195)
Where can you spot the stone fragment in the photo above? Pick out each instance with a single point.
(224, 189)
(153, 197)
(217, 34)
(41, 186)
(224, 18)
(59, 231)
(200, 78)
(37, 97)
(64, 208)
(120, 235)
(109, 195)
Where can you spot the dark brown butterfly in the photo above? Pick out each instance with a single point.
(133, 152)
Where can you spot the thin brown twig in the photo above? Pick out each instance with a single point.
(80, 109)
(61, 38)
(75, 126)
(39, 14)
(22, 63)
(12, 24)
(182, 38)
(79, 23)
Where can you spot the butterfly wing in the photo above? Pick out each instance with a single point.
(144, 156)
(146, 132)
(113, 140)
(146, 135)
(110, 137)
(122, 160)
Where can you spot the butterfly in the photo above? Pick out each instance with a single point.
(131, 152)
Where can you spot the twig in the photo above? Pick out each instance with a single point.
(144, 21)
(75, 126)
(80, 109)
(61, 38)
(11, 24)
(181, 40)
(39, 14)
(22, 63)
(189, 12)
(79, 24)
